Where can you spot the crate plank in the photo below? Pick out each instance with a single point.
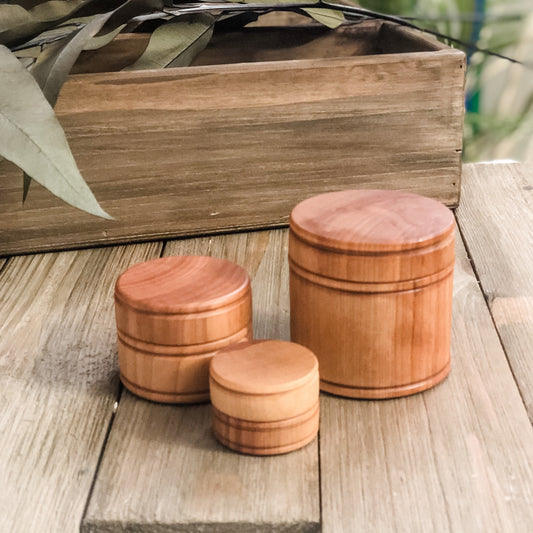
(163, 470)
(458, 457)
(496, 218)
(57, 382)
(219, 148)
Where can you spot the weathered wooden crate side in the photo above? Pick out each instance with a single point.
(226, 147)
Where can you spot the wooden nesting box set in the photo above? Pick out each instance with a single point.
(371, 298)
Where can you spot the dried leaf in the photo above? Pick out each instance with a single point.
(28, 56)
(98, 42)
(55, 62)
(19, 25)
(32, 138)
(12, 15)
(329, 17)
(125, 12)
(56, 9)
(176, 44)
(119, 19)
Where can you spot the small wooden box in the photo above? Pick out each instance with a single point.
(371, 275)
(264, 119)
(265, 397)
(173, 314)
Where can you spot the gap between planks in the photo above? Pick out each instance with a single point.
(458, 457)
(120, 390)
(57, 381)
(496, 219)
(494, 322)
(190, 482)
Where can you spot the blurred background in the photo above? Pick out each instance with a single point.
(499, 94)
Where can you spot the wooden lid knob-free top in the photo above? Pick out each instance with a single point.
(183, 300)
(372, 236)
(264, 381)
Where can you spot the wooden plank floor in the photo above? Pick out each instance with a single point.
(191, 483)
(76, 452)
(496, 219)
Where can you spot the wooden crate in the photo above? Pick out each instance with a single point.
(265, 118)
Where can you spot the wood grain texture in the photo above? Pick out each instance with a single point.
(266, 438)
(216, 148)
(58, 381)
(264, 396)
(172, 314)
(458, 457)
(164, 471)
(497, 222)
(173, 377)
(371, 290)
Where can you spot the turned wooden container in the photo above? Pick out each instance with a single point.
(265, 397)
(173, 314)
(371, 276)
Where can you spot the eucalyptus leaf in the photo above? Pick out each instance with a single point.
(19, 25)
(119, 19)
(32, 138)
(177, 43)
(55, 62)
(329, 17)
(54, 10)
(12, 15)
(101, 40)
(127, 10)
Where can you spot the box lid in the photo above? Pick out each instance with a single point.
(182, 284)
(183, 300)
(264, 380)
(372, 236)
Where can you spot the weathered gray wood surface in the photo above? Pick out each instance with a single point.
(58, 382)
(162, 465)
(455, 458)
(496, 218)
(458, 457)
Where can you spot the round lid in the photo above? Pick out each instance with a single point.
(371, 221)
(182, 284)
(264, 367)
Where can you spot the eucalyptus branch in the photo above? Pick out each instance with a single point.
(353, 13)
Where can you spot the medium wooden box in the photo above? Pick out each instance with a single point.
(266, 118)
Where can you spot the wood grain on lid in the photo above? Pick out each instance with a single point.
(371, 220)
(182, 284)
(264, 367)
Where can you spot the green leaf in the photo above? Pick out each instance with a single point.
(32, 138)
(176, 44)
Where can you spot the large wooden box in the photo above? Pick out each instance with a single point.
(265, 118)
